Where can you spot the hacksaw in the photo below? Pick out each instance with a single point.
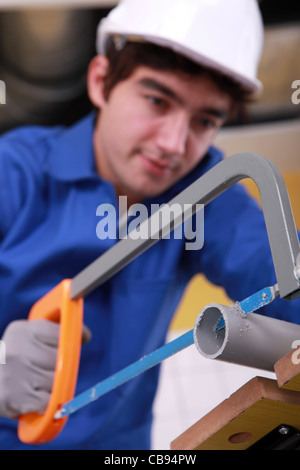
(64, 303)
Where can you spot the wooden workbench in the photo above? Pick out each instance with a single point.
(250, 413)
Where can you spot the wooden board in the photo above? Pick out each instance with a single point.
(245, 417)
(287, 371)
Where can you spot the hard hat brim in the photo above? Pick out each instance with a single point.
(253, 87)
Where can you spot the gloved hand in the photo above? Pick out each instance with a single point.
(27, 376)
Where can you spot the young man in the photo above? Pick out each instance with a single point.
(167, 76)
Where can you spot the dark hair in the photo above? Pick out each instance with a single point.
(123, 62)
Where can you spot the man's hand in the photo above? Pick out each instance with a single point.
(26, 378)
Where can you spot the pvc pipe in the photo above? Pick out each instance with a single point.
(253, 340)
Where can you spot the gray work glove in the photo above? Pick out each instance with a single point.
(30, 357)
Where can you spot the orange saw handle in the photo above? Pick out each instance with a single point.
(56, 306)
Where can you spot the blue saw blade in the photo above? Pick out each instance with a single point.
(125, 374)
(254, 302)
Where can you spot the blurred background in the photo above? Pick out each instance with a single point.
(45, 49)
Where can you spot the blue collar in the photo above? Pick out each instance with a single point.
(72, 155)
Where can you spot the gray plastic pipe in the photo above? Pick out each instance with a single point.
(253, 340)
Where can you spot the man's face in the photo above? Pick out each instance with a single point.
(154, 128)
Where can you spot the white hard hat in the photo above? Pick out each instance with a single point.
(225, 35)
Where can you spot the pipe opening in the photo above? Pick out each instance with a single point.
(208, 341)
